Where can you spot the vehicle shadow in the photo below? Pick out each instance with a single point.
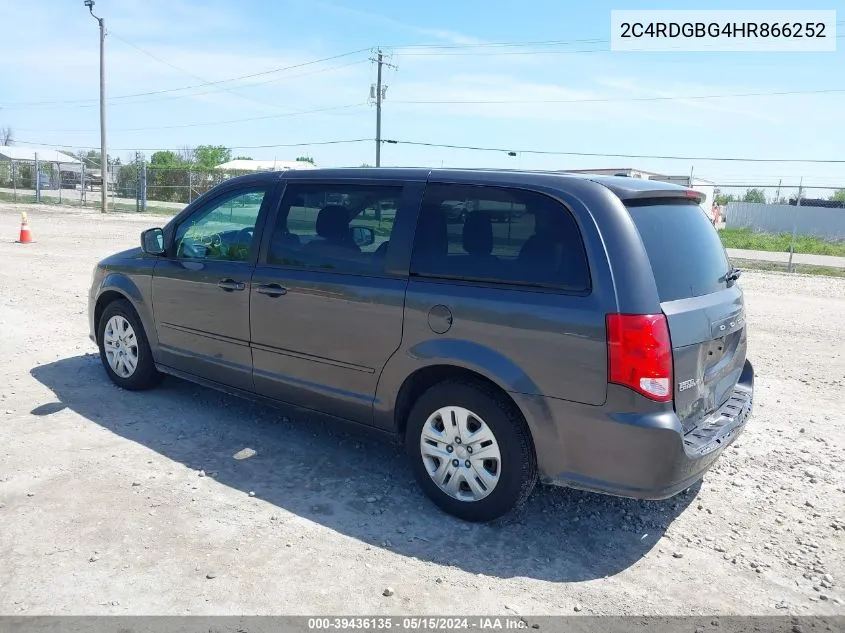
(357, 484)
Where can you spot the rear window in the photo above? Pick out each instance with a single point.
(685, 251)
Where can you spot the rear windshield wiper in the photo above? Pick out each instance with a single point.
(733, 275)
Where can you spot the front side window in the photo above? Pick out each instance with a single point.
(334, 228)
(498, 235)
(224, 230)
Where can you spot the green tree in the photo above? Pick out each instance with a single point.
(838, 195)
(305, 159)
(754, 195)
(242, 158)
(208, 156)
(92, 160)
(167, 177)
(723, 198)
(165, 159)
(126, 180)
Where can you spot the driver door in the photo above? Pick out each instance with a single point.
(201, 288)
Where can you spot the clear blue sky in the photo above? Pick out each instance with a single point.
(50, 54)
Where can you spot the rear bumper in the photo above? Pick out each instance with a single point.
(641, 455)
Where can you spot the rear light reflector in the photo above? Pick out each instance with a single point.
(640, 354)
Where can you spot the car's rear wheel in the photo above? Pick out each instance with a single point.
(470, 450)
(124, 349)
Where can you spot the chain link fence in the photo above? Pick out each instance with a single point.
(811, 195)
(132, 187)
(801, 210)
(142, 187)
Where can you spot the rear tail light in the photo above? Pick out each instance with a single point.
(640, 354)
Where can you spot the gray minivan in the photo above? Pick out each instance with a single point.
(576, 329)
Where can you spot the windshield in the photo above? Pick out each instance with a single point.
(684, 249)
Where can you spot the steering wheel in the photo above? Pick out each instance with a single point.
(215, 239)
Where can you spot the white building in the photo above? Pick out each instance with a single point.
(43, 154)
(698, 184)
(266, 165)
(66, 165)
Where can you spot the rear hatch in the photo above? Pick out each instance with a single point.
(703, 305)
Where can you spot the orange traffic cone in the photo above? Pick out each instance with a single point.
(26, 235)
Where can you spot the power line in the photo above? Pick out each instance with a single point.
(179, 149)
(200, 85)
(625, 99)
(611, 155)
(87, 102)
(475, 148)
(236, 93)
(187, 72)
(455, 102)
(205, 92)
(324, 59)
(187, 125)
(157, 58)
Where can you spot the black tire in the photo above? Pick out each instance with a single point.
(145, 375)
(518, 475)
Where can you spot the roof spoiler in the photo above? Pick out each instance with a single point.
(662, 194)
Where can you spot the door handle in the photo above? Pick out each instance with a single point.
(272, 290)
(230, 284)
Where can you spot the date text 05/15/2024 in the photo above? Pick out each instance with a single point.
(405, 623)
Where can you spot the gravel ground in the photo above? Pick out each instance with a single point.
(120, 503)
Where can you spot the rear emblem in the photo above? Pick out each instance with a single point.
(687, 384)
(728, 325)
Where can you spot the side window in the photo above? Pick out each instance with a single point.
(335, 228)
(224, 230)
(493, 234)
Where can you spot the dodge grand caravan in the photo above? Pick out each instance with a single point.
(592, 336)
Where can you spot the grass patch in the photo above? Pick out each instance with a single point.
(10, 197)
(803, 269)
(120, 207)
(779, 242)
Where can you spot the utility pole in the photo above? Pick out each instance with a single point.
(380, 92)
(137, 181)
(378, 111)
(104, 157)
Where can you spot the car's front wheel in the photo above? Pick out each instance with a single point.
(470, 450)
(124, 349)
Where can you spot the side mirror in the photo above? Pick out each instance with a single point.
(152, 241)
(363, 235)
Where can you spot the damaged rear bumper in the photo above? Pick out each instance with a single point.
(635, 455)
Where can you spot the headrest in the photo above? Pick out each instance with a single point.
(478, 233)
(333, 222)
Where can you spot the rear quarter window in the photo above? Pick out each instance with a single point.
(487, 234)
(686, 254)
